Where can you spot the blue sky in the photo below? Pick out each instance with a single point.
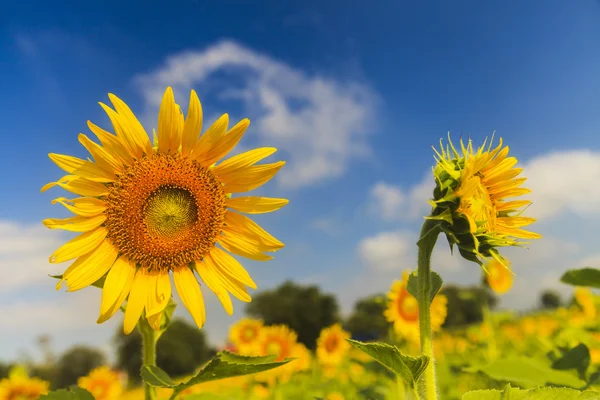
(352, 93)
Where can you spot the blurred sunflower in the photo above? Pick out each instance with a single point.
(498, 276)
(332, 345)
(335, 396)
(469, 200)
(403, 310)
(19, 386)
(103, 383)
(276, 340)
(585, 299)
(244, 333)
(146, 211)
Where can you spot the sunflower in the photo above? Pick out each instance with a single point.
(498, 276)
(403, 310)
(103, 383)
(585, 299)
(244, 333)
(281, 342)
(18, 386)
(470, 200)
(332, 345)
(147, 211)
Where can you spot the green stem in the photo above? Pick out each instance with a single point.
(149, 338)
(491, 342)
(428, 238)
(400, 387)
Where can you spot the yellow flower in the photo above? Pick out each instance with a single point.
(331, 344)
(585, 299)
(335, 396)
(244, 333)
(103, 383)
(279, 341)
(499, 276)
(470, 200)
(146, 211)
(18, 386)
(403, 310)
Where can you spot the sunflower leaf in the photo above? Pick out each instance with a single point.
(542, 393)
(413, 284)
(589, 277)
(68, 394)
(156, 377)
(227, 365)
(406, 367)
(577, 358)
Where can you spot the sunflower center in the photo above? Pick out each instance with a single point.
(408, 307)
(331, 343)
(164, 212)
(274, 348)
(248, 334)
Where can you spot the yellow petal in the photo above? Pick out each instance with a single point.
(112, 144)
(116, 287)
(80, 186)
(89, 268)
(250, 178)
(243, 160)
(229, 283)
(193, 125)
(103, 158)
(237, 245)
(68, 163)
(512, 205)
(221, 148)
(213, 282)
(84, 206)
(256, 205)
(168, 123)
(94, 172)
(136, 301)
(133, 127)
(229, 265)
(152, 300)
(76, 223)
(243, 225)
(79, 246)
(189, 290)
(121, 131)
(211, 137)
(162, 294)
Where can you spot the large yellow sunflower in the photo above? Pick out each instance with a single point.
(244, 334)
(331, 345)
(103, 383)
(281, 342)
(470, 200)
(146, 211)
(498, 276)
(403, 310)
(18, 386)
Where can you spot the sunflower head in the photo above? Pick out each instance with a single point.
(276, 340)
(146, 211)
(102, 383)
(498, 276)
(244, 334)
(470, 200)
(585, 299)
(403, 310)
(19, 386)
(332, 346)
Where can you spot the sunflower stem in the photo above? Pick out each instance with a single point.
(428, 238)
(149, 339)
(489, 323)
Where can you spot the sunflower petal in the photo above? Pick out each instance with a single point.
(226, 144)
(168, 123)
(83, 206)
(113, 144)
(237, 245)
(192, 126)
(256, 205)
(213, 282)
(82, 244)
(77, 185)
(231, 284)
(121, 131)
(133, 127)
(89, 268)
(229, 265)
(94, 172)
(243, 160)
(250, 178)
(162, 294)
(116, 287)
(68, 163)
(103, 158)
(189, 290)
(211, 137)
(76, 223)
(136, 301)
(246, 227)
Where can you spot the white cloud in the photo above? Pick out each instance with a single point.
(387, 201)
(391, 203)
(322, 123)
(385, 251)
(564, 181)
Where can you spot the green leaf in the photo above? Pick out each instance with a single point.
(582, 277)
(412, 285)
(406, 367)
(205, 396)
(155, 376)
(527, 372)
(577, 358)
(226, 365)
(68, 394)
(99, 283)
(543, 393)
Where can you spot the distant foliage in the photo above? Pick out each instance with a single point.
(367, 321)
(550, 300)
(77, 362)
(464, 304)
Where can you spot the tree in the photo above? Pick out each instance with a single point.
(465, 304)
(179, 351)
(550, 299)
(367, 321)
(303, 308)
(77, 362)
